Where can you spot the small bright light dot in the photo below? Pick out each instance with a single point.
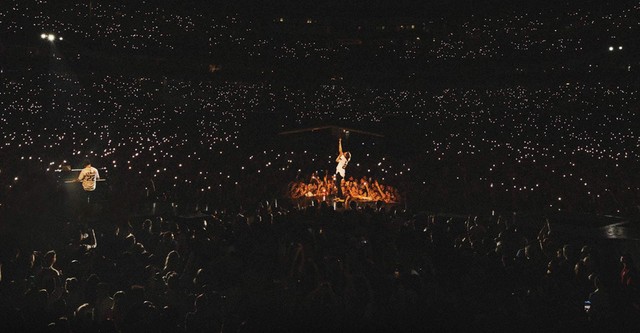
(610, 48)
(43, 36)
(51, 37)
(60, 38)
(619, 47)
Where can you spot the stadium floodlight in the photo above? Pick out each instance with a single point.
(50, 37)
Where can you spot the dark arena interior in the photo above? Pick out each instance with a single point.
(319, 166)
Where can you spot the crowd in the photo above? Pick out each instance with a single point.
(560, 39)
(568, 147)
(316, 269)
(197, 225)
(363, 190)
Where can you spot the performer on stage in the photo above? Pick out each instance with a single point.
(88, 176)
(342, 160)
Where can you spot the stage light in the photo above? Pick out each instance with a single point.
(51, 37)
(43, 36)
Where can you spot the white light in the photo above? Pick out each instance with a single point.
(619, 47)
(43, 36)
(60, 38)
(51, 37)
(610, 48)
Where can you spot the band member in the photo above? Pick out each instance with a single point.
(88, 176)
(341, 169)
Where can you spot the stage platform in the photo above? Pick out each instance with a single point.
(337, 205)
